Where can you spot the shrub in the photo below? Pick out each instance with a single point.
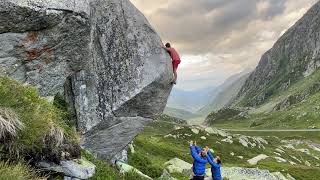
(104, 171)
(17, 172)
(145, 165)
(44, 127)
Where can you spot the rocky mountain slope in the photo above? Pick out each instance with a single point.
(101, 54)
(283, 91)
(293, 57)
(226, 93)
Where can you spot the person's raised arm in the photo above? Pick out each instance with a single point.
(211, 161)
(198, 148)
(195, 155)
(209, 153)
(164, 47)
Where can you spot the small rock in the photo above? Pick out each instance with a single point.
(79, 168)
(203, 137)
(227, 140)
(280, 151)
(290, 177)
(240, 157)
(195, 131)
(279, 159)
(278, 154)
(232, 153)
(124, 168)
(307, 163)
(177, 166)
(166, 176)
(255, 160)
(292, 163)
(131, 147)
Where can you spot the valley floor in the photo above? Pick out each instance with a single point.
(292, 154)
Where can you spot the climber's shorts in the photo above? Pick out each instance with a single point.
(175, 65)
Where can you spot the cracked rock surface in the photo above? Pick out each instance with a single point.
(101, 54)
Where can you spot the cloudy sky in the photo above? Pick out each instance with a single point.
(218, 38)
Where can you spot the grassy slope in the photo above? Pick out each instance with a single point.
(302, 115)
(17, 172)
(152, 146)
(37, 115)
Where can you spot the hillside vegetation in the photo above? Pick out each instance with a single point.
(162, 141)
(297, 107)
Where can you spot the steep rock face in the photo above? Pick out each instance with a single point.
(102, 54)
(295, 55)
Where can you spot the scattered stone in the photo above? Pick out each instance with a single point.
(219, 132)
(166, 176)
(131, 147)
(244, 141)
(278, 154)
(177, 128)
(79, 168)
(279, 175)
(177, 165)
(307, 163)
(306, 151)
(280, 160)
(255, 160)
(238, 173)
(292, 163)
(195, 131)
(295, 158)
(280, 151)
(228, 140)
(290, 177)
(232, 153)
(50, 99)
(240, 157)
(289, 146)
(121, 156)
(203, 138)
(124, 168)
(170, 135)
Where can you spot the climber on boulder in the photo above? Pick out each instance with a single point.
(175, 60)
(215, 165)
(200, 161)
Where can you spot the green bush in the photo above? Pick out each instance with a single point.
(145, 165)
(17, 172)
(104, 171)
(40, 118)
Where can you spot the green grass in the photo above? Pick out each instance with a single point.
(297, 171)
(156, 150)
(17, 172)
(302, 115)
(105, 171)
(38, 116)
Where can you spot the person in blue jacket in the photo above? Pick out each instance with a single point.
(215, 163)
(200, 161)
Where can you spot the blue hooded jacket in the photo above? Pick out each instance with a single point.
(199, 164)
(215, 167)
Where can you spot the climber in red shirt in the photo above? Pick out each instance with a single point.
(175, 60)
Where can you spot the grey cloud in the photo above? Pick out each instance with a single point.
(199, 27)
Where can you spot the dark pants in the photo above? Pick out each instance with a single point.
(198, 178)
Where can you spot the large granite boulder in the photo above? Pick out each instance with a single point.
(101, 54)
